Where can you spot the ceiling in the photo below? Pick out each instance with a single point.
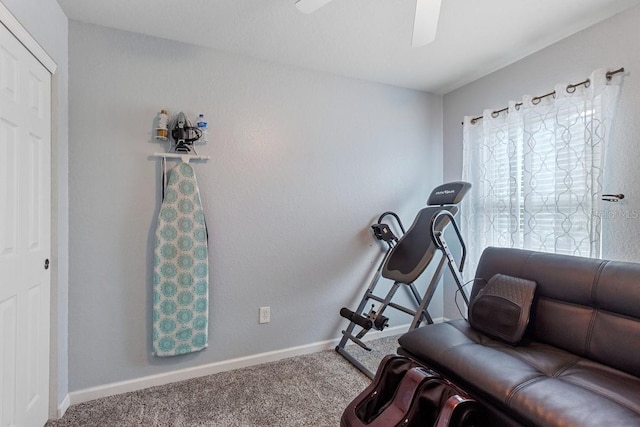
(364, 39)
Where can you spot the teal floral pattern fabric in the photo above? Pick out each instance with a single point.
(181, 269)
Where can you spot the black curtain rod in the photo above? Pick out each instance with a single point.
(536, 100)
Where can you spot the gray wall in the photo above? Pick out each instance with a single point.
(46, 22)
(302, 164)
(610, 44)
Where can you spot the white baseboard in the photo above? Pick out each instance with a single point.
(194, 372)
(211, 368)
(63, 406)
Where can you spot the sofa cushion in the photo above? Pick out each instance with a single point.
(589, 307)
(538, 384)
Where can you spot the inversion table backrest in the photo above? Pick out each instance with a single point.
(416, 248)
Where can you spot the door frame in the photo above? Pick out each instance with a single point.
(26, 39)
(23, 36)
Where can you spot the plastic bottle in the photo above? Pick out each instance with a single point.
(163, 119)
(202, 125)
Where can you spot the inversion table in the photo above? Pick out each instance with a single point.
(405, 260)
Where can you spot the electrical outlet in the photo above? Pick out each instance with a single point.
(265, 315)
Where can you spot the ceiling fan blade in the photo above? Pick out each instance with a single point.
(425, 22)
(310, 6)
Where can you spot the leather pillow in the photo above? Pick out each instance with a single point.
(501, 309)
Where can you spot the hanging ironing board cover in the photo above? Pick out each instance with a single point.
(181, 269)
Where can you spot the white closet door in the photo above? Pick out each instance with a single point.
(25, 199)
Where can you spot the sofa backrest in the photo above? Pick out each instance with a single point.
(587, 306)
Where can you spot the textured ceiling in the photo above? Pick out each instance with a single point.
(365, 39)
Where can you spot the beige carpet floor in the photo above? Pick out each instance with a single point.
(308, 390)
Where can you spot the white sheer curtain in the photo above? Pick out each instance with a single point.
(537, 171)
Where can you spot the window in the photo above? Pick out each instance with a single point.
(536, 172)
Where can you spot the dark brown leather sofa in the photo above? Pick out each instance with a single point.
(579, 365)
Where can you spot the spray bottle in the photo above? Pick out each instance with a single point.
(202, 125)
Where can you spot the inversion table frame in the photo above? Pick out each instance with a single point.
(405, 260)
